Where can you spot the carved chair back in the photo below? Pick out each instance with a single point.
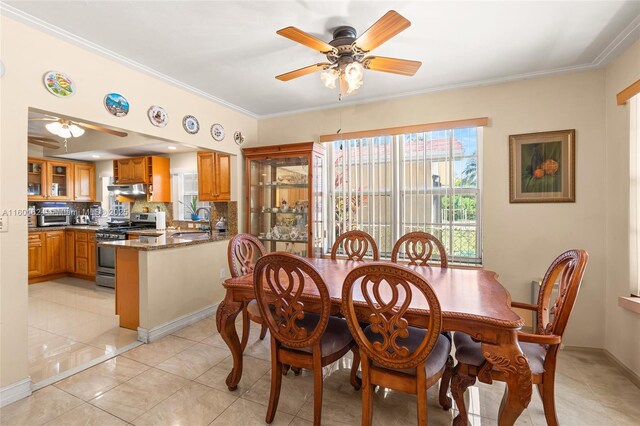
(568, 270)
(387, 290)
(356, 245)
(418, 248)
(242, 253)
(279, 280)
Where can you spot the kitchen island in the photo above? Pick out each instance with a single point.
(168, 282)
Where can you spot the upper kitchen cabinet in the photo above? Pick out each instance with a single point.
(152, 171)
(84, 188)
(60, 180)
(36, 179)
(214, 176)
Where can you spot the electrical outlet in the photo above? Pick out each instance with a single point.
(223, 273)
(4, 223)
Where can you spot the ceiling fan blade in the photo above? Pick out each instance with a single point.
(299, 36)
(44, 142)
(43, 119)
(101, 129)
(303, 71)
(392, 65)
(391, 24)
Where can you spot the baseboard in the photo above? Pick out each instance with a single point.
(631, 375)
(15, 391)
(155, 333)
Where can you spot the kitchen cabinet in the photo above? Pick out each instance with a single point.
(36, 254)
(151, 170)
(59, 180)
(214, 176)
(92, 253)
(285, 197)
(54, 252)
(83, 252)
(84, 188)
(36, 179)
(69, 237)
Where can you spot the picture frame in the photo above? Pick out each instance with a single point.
(542, 167)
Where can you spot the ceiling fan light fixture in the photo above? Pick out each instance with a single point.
(354, 75)
(329, 78)
(76, 131)
(54, 127)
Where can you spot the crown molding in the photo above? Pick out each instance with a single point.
(623, 40)
(51, 29)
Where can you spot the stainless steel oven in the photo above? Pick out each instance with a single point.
(106, 257)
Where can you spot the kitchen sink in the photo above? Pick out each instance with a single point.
(191, 235)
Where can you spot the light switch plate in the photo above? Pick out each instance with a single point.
(4, 223)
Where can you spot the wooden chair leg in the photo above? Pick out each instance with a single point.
(317, 386)
(459, 384)
(245, 328)
(276, 382)
(263, 331)
(445, 381)
(356, 382)
(549, 400)
(421, 393)
(367, 394)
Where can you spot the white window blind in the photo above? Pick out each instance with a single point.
(634, 196)
(388, 186)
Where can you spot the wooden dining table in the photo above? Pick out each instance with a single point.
(472, 301)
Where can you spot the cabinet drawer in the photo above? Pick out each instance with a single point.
(82, 266)
(81, 236)
(91, 236)
(35, 238)
(82, 250)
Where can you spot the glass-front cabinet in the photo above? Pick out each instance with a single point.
(36, 179)
(285, 197)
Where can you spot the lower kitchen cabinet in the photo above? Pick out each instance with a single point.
(55, 253)
(36, 254)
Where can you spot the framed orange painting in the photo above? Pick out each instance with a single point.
(542, 167)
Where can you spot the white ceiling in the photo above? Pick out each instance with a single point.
(230, 50)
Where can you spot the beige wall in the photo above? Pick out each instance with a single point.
(27, 54)
(192, 283)
(519, 240)
(622, 326)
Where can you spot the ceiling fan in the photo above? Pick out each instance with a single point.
(346, 53)
(66, 128)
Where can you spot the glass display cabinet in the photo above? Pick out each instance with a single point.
(285, 197)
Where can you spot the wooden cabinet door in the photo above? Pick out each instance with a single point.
(55, 252)
(206, 176)
(70, 247)
(92, 254)
(223, 177)
(59, 180)
(36, 254)
(125, 171)
(139, 170)
(84, 188)
(36, 179)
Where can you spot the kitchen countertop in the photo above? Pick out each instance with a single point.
(92, 228)
(165, 242)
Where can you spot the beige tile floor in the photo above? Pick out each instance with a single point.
(71, 322)
(180, 380)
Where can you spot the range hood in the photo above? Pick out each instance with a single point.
(138, 189)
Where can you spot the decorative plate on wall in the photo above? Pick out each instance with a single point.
(158, 116)
(116, 104)
(238, 138)
(190, 124)
(59, 84)
(217, 131)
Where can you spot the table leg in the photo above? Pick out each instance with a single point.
(225, 320)
(508, 358)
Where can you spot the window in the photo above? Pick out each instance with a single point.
(184, 186)
(427, 181)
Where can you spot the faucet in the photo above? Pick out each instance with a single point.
(206, 209)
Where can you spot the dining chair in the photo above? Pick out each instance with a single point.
(418, 249)
(242, 253)
(356, 245)
(298, 338)
(393, 354)
(540, 349)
